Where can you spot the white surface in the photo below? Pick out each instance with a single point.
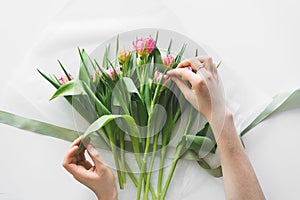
(258, 39)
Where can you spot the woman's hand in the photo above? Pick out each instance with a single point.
(99, 178)
(206, 95)
(203, 90)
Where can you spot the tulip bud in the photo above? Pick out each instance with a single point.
(158, 76)
(111, 72)
(168, 61)
(64, 79)
(123, 55)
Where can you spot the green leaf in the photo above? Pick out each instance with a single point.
(179, 55)
(129, 88)
(130, 127)
(105, 57)
(157, 56)
(55, 84)
(100, 106)
(117, 46)
(218, 65)
(65, 71)
(169, 48)
(84, 74)
(207, 132)
(106, 78)
(276, 103)
(71, 88)
(156, 37)
(116, 76)
(200, 144)
(215, 172)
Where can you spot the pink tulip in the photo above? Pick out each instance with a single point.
(168, 61)
(111, 72)
(64, 79)
(158, 76)
(144, 46)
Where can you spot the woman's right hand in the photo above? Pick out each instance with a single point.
(205, 93)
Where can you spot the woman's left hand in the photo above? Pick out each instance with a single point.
(99, 178)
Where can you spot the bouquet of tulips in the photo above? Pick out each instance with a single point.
(135, 111)
(132, 106)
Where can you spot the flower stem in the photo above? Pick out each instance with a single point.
(161, 170)
(144, 161)
(122, 135)
(143, 167)
(174, 164)
(115, 155)
(177, 156)
(151, 166)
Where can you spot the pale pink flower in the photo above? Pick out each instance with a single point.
(144, 46)
(158, 76)
(111, 72)
(168, 61)
(64, 79)
(93, 77)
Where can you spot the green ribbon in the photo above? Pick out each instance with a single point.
(38, 126)
(291, 98)
(286, 98)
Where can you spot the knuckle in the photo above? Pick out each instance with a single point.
(200, 83)
(209, 77)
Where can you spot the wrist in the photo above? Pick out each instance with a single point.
(222, 122)
(226, 135)
(113, 196)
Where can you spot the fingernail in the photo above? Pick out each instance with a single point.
(174, 78)
(170, 71)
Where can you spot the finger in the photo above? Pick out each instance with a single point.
(209, 64)
(77, 141)
(79, 172)
(186, 91)
(186, 62)
(86, 164)
(185, 74)
(215, 72)
(83, 148)
(95, 155)
(194, 63)
(70, 157)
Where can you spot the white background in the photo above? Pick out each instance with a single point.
(259, 39)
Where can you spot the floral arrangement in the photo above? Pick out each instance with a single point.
(132, 106)
(131, 101)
